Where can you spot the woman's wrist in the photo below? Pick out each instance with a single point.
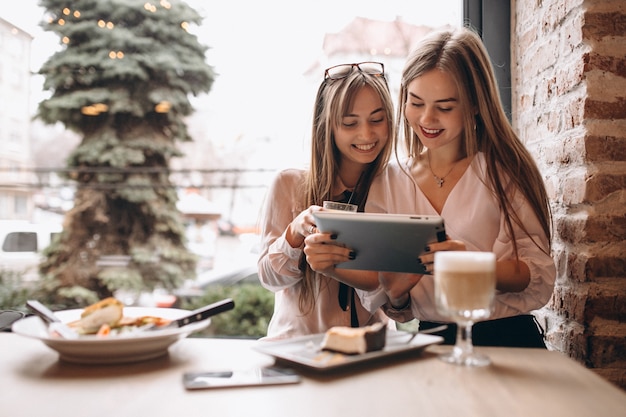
(294, 238)
(401, 303)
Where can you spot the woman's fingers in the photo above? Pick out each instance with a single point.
(322, 252)
(304, 223)
(427, 258)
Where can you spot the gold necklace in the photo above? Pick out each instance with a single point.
(439, 180)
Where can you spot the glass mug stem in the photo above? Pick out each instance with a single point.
(464, 344)
(463, 350)
(465, 284)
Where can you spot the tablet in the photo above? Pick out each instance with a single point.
(383, 242)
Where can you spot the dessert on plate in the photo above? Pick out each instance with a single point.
(355, 340)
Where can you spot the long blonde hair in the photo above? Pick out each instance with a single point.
(461, 53)
(335, 99)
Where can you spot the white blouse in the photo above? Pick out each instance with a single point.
(278, 269)
(472, 215)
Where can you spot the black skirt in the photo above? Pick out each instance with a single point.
(517, 331)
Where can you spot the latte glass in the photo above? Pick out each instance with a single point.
(465, 287)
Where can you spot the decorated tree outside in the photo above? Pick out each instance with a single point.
(122, 81)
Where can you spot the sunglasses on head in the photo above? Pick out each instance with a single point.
(340, 71)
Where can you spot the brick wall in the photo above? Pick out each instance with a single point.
(569, 106)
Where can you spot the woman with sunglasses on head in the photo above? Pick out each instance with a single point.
(352, 139)
(466, 164)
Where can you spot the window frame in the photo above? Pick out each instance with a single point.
(492, 19)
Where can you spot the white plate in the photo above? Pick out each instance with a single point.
(129, 347)
(306, 350)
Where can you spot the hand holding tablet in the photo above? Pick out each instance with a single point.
(383, 242)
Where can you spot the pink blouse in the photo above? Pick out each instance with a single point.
(278, 269)
(472, 215)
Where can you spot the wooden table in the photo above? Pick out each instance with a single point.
(520, 382)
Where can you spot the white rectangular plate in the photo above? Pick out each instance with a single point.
(306, 350)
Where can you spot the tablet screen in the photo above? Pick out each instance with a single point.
(383, 242)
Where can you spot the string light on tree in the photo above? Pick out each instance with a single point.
(103, 24)
(123, 110)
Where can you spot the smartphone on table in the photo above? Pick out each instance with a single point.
(270, 375)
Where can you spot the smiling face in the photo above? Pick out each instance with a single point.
(433, 110)
(363, 131)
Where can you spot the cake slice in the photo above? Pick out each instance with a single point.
(355, 340)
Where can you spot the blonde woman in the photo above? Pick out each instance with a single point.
(467, 165)
(352, 139)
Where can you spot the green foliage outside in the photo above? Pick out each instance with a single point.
(253, 310)
(254, 306)
(410, 326)
(13, 294)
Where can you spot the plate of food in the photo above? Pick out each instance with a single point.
(344, 346)
(109, 333)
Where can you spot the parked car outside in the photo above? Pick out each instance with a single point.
(22, 243)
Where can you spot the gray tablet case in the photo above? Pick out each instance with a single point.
(383, 242)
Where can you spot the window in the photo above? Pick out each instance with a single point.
(492, 19)
(20, 242)
(16, 78)
(21, 205)
(15, 46)
(4, 205)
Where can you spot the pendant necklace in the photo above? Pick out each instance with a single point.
(439, 180)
